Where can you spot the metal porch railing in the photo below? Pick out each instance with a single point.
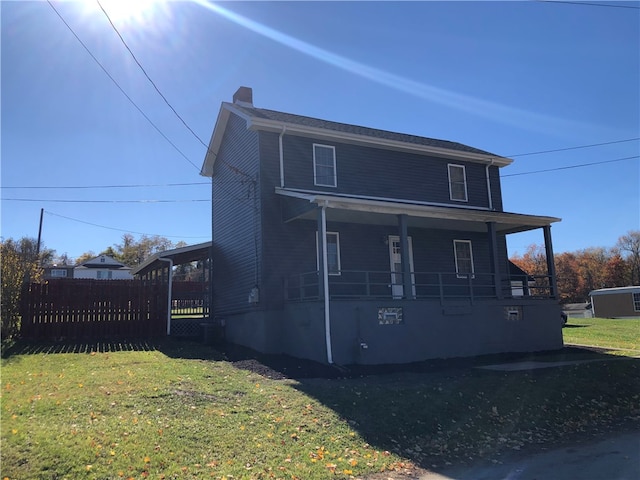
(363, 284)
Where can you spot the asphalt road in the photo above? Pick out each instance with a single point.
(616, 457)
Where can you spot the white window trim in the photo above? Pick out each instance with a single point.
(464, 174)
(338, 252)
(455, 255)
(335, 171)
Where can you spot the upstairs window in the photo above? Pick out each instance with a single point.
(457, 183)
(324, 165)
(464, 258)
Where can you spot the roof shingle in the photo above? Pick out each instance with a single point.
(355, 129)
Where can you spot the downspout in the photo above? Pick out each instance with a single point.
(489, 184)
(284, 128)
(325, 282)
(170, 280)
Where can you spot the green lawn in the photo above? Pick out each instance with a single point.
(603, 332)
(174, 410)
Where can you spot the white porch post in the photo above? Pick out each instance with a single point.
(169, 293)
(324, 281)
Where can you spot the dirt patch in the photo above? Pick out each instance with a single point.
(280, 367)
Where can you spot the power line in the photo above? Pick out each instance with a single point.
(164, 185)
(113, 228)
(115, 29)
(570, 167)
(108, 186)
(588, 4)
(148, 77)
(102, 201)
(121, 89)
(574, 148)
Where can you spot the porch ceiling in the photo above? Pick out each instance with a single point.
(377, 212)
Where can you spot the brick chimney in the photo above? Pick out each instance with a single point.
(243, 96)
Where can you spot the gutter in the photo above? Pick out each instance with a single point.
(170, 261)
(489, 184)
(284, 128)
(325, 283)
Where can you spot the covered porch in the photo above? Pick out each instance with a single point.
(407, 313)
(402, 280)
(188, 302)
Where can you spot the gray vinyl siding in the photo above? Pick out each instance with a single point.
(496, 188)
(256, 248)
(364, 248)
(375, 172)
(236, 228)
(280, 240)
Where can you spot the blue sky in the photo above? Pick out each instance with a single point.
(511, 78)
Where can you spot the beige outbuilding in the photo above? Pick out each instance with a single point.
(620, 302)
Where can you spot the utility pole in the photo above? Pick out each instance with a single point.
(39, 235)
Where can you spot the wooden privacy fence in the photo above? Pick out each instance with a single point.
(93, 309)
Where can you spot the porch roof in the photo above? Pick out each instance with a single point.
(349, 209)
(179, 256)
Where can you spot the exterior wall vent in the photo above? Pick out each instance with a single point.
(513, 314)
(390, 316)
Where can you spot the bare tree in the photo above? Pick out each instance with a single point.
(629, 244)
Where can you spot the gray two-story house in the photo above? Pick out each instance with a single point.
(352, 245)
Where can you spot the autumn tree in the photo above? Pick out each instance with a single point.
(580, 272)
(570, 286)
(629, 246)
(85, 257)
(591, 268)
(132, 252)
(20, 263)
(534, 260)
(616, 270)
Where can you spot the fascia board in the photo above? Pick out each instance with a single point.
(271, 125)
(169, 253)
(614, 291)
(374, 206)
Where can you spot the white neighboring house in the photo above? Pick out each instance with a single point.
(103, 267)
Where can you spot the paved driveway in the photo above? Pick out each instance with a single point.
(616, 457)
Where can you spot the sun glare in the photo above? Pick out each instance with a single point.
(131, 11)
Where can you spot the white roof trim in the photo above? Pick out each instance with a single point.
(169, 253)
(614, 290)
(214, 143)
(300, 193)
(420, 210)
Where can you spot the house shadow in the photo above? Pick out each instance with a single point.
(415, 409)
(422, 401)
(428, 412)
